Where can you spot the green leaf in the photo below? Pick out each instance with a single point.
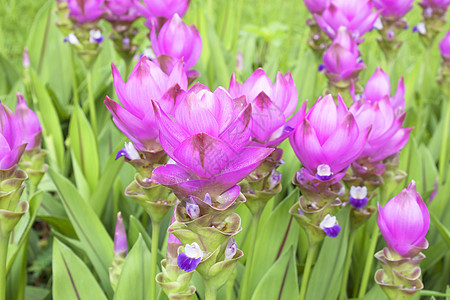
(445, 233)
(51, 126)
(8, 75)
(36, 293)
(278, 234)
(84, 146)
(91, 232)
(327, 271)
(135, 277)
(71, 277)
(280, 281)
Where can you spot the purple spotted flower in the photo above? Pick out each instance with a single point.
(86, 10)
(355, 15)
(330, 226)
(272, 104)
(147, 82)
(11, 138)
(328, 139)
(190, 258)
(316, 6)
(358, 196)
(178, 40)
(207, 138)
(120, 236)
(29, 123)
(341, 60)
(404, 221)
(393, 9)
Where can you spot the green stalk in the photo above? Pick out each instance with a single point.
(348, 262)
(4, 241)
(251, 251)
(210, 291)
(444, 146)
(76, 99)
(155, 238)
(309, 261)
(91, 102)
(230, 286)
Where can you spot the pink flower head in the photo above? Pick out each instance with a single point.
(207, 138)
(328, 139)
(444, 46)
(29, 123)
(178, 40)
(404, 221)
(122, 10)
(316, 6)
(164, 8)
(82, 11)
(378, 87)
(355, 15)
(386, 135)
(272, 104)
(341, 60)
(393, 9)
(147, 82)
(11, 138)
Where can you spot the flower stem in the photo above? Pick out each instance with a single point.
(4, 241)
(312, 250)
(444, 146)
(155, 238)
(91, 101)
(251, 251)
(348, 261)
(210, 291)
(76, 99)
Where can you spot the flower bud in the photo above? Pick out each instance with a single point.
(230, 250)
(192, 209)
(29, 123)
(120, 236)
(404, 221)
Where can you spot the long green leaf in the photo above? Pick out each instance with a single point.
(71, 277)
(91, 232)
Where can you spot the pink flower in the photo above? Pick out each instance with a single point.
(29, 123)
(82, 11)
(122, 10)
(164, 8)
(147, 82)
(120, 236)
(272, 104)
(207, 139)
(342, 60)
(404, 221)
(444, 46)
(328, 139)
(355, 15)
(394, 9)
(316, 6)
(378, 87)
(11, 138)
(178, 40)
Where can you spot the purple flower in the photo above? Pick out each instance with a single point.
(342, 60)
(316, 6)
(355, 15)
(404, 222)
(190, 258)
(378, 87)
(393, 9)
(444, 45)
(164, 8)
(328, 139)
(358, 196)
(272, 104)
(386, 135)
(11, 138)
(330, 226)
(120, 236)
(178, 40)
(83, 11)
(136, 119)
(207, 138)
(29, 123)
(122, 10)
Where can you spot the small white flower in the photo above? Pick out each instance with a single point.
(324, 170)
(131, 151)
(149, 53)
(193, 251)
(358, 192)
(421, 28)
(72, 39)
(95, 36)
(328, 222)
(378, 25)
